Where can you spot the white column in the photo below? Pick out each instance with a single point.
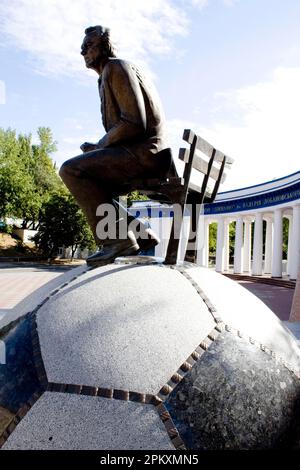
(247, 247)
(238, 246)
(220, 246)
(295, 261)
(226, 245)
(290, 244)
(257, 245)
(269, 247)
(277, 244)
(203, 249)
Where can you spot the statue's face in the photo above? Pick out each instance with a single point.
(91, 51)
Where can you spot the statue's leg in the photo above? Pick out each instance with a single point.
(87, 192)
(93, 177)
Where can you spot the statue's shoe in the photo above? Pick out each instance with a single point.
(108, 253)
(150, 242)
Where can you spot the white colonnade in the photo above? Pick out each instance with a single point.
(258, 246)
(258, 212)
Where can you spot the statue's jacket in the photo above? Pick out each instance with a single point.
(132, 115)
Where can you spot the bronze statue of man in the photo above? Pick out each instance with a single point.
(131, 148)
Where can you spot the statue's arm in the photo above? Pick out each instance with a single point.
(128, 96)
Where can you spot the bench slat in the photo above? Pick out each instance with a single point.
(197, 189)
(206, 148)
(201, 165)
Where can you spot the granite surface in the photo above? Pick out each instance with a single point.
(124, 327)
(237, 397)
(18, 378)
(64, 421)
(242, 310)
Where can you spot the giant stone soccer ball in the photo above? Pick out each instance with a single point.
(147, 356)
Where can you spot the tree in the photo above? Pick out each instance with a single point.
(44, 176)
(232, 227)
(30, 189)
(44, 170)
(12, 184)
(285, 236)
(27, 174)
(213, 227)
(62, 224)
(135, 196)
(213, 239)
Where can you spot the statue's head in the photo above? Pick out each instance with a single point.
(96, 46)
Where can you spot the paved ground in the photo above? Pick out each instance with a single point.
(16, 285)
(23, 286)
(17, 282)
(278, 299)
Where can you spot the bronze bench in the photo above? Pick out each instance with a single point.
(173, 189)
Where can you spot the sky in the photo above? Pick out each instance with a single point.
(228, 69)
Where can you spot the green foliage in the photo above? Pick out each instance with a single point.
(45, 176)
(213, 239)
(31, 190)
(62, 224)
(213, 227)
(135, 196)
(232, 226)
(5, 228)
(10, 175)
(285, 238)
(27, 174)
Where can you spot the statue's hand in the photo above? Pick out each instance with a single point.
(88, 147)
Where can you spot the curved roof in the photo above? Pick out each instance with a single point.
(271, 185)
(271, 193)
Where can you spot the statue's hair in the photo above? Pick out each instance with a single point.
(103, 33)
